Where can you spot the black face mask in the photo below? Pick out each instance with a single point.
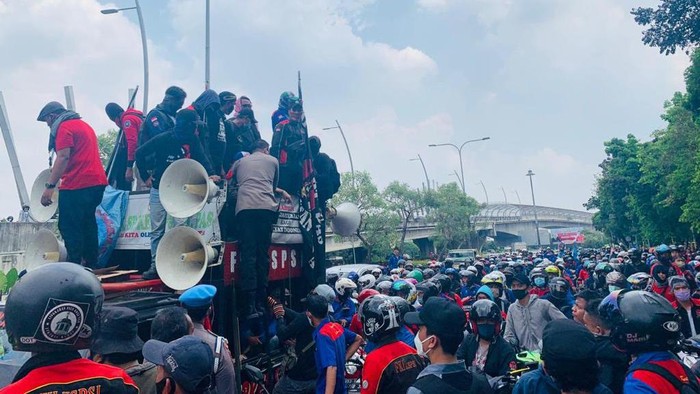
(160, 386)
(520, 293)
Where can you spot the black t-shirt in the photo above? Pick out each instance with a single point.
(296, 325)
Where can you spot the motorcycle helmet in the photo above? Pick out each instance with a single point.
(400, 288)
(384, 287)
(485, 310)
(427, 289)
(558, 287)
(663, 253)
(639, 281)
(403, 305)
(415, 274)
(344, 287)
(615, 281)
(55, 307)
(325, 291)
(641, 321)
(552, 271)
(380, 317)
(366, 281)
(444, 282)
(408, 266)
(353, 276)
(331, 279)
(428, 273)
(376, 272)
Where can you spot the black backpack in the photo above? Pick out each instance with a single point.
(693, 387)
(433, 384)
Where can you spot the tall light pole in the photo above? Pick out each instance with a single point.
(347, 147)
(530, 174)
(459, 150)
(458, 178)
(504, 194)
(206, 47)
(485, 193)
(517, 195)
(427, 180)
(144, 46)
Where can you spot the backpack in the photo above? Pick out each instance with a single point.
(693, 387)
(433, 384)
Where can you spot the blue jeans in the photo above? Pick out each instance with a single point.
(158, 219)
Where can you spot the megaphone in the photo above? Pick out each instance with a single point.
(185, 188)
(346, 219)
(182, 258)
(37, 211)
(44, 248)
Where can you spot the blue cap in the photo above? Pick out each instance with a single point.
(198, 296)
(188, 360)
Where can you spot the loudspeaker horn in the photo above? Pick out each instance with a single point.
(37, 211)
(182, 258)
(44, 248)
(185, 188)
(346, 220)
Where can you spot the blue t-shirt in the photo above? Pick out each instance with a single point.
(343, 310)
(331, 343)
(404, 335)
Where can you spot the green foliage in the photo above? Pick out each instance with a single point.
(451, 210)
(406, 202)
(106, 143)
(410, 249)
(594, 239)
(673, 25)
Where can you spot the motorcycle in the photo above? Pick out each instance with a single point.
(353, 372)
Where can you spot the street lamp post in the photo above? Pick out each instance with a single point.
(347, 147)
(458, 178)
(504, 194)
(485, 193)
(530, 174)
(427, 180)
(517, 195)
(144, 46)
(206, 48)
(459, 150)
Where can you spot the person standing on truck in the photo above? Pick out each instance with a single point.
(256, 211)
(198, 302)
(129, 123)
(161, 119)
(82, 177)
(166, 148)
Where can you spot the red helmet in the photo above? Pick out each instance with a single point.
(365, 294)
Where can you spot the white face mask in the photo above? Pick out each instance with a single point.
(419, 345)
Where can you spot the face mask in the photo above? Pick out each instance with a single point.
(539, 282)
(680, 263)
(682, 295)
(612, 288)
(520, 294)
(419, 345)
(486, 331)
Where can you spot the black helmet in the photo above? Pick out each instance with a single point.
(429, 289)
(642, 321)
(485, 310)
(444, 282)
(558, 287)
(403, 305)
(428, 273)
(380, 317)
(55, 307)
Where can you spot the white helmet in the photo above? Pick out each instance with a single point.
(376, 272)
(345, 286)
(366, 281)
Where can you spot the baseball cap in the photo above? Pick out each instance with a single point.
(118, 332)
(521, 278)
(51, 107)
(226, 96)
(557, 337)
(440, 315)
(188, 360)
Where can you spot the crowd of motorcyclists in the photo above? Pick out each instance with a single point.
(636, 305)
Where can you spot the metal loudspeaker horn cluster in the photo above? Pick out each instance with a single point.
(37, 211)
(182, 258)
(185, 188)
(345, 219)
(44, 248)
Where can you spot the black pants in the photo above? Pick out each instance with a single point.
(255, 233)
(117, 176)
(77, 223)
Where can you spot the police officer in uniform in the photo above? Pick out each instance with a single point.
(198, 303)
(53, 311)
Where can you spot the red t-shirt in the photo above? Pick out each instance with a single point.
(84, 166)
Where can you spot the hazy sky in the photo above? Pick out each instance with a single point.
(547, 80)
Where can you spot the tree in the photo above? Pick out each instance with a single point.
(594, 239)
(673, 25)
(451, 211)
(106, 143)
(406, 202)
(377, 231)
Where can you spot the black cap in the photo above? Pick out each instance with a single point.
(113, 110)
(188, 360)
(521, 278)
(558, 337)
(440, 316)
(118, 332)
(53, 106)
(225, 97)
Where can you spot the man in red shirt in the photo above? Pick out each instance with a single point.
(83, 180)
(121, 173)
